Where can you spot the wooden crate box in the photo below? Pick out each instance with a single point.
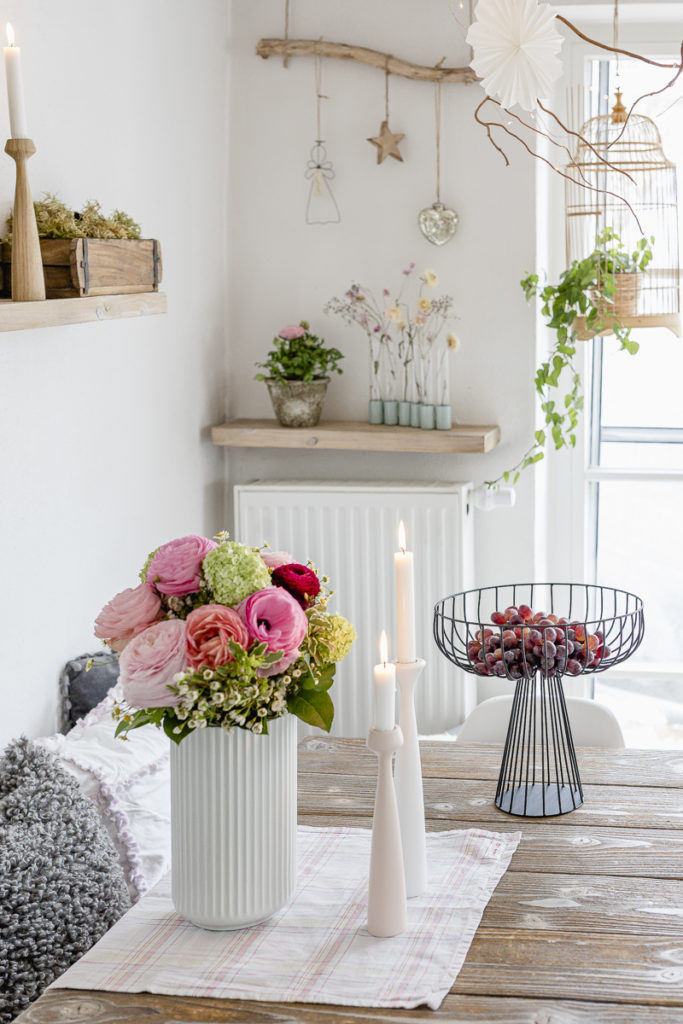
(94, 266)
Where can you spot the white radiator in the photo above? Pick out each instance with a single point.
(349, 530)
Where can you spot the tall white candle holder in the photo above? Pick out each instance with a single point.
(408, 782)
(387, 911)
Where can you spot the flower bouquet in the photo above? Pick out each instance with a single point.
(408, 351)
(221, 634)
(224, 636)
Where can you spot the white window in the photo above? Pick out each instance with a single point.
(634, 476)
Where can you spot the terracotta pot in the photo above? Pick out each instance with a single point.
(297, 403)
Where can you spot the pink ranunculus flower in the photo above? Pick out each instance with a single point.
(291, 332)
(208, 630)
(274, 559)
(149, 663)
(128, 614)
(176, 567)
(274, 617)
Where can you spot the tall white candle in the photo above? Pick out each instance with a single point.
(385, 688)
(405, 600)
(15, 88)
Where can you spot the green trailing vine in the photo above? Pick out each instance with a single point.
(586, 289)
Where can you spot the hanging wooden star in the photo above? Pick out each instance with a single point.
(387, 143)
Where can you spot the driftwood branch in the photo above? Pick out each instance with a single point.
(362, 55)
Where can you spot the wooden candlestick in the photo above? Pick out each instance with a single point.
(28, 280)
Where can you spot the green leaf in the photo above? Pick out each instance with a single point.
(314, 707)
(540, 437)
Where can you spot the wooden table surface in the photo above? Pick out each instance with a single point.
(586, 927)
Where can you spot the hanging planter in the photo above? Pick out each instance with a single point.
(639, 172)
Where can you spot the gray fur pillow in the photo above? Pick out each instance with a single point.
(61, 884)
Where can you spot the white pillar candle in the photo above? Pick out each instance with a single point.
(405, 600)
(15, 88)
(385, 688)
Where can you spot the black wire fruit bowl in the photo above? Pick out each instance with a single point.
(533, 634)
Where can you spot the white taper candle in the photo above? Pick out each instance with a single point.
(385, 688)
(405, 600)
(15, 88)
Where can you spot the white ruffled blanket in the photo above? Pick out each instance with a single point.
(129, 782)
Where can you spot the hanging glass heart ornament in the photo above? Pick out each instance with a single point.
(438, 223)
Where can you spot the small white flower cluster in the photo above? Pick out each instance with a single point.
(245, 702)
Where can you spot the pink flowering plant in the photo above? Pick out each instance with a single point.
(299, 355)
(220, 634)
(405, 333)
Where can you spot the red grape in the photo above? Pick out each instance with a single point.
(498, 618)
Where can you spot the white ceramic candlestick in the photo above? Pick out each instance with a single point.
(387, 911)
(408, 783)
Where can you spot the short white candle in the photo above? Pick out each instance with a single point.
(385, 688)
(405, 599)
(15, 88)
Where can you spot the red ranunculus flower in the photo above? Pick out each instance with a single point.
(301, 582)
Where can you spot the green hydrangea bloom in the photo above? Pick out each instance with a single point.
(233, 571)
(143, 572)
(329, 637)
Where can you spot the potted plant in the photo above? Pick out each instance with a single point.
(297, 372)
(626, 268)
(587, 289)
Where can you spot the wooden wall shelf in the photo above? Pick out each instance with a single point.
(24, 316)
(344, 435)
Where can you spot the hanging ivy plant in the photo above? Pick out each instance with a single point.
(586, 289)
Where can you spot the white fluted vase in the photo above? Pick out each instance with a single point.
(233, 824)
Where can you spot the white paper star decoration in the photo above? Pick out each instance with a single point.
(516, 46)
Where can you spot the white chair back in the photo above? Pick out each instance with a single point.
(592, 724)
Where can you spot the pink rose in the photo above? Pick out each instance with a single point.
(208, 630)
(291, 332)
(128, 614)
(273, 617)
(149, 663)
(176, 567)
(274, 559)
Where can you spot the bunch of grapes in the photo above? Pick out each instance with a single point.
(527, 641)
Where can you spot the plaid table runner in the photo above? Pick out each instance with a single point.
(318, 949)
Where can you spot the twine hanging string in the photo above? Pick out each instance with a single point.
(386, 88)
(615, 42)
(318, 94)
(285, 59)
(437, 117)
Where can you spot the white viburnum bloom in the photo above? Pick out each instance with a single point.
(516, 47)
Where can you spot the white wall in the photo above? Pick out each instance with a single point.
(283, 270)
(104, 449)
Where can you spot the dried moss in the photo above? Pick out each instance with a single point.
(55, 220)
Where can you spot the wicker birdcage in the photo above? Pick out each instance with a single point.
(633, 147)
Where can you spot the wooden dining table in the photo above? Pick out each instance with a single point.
(586, 927)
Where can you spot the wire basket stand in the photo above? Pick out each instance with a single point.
(583, 628)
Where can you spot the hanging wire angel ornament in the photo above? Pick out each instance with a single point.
(321, 207)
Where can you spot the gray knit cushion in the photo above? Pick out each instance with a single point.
(61, 884)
